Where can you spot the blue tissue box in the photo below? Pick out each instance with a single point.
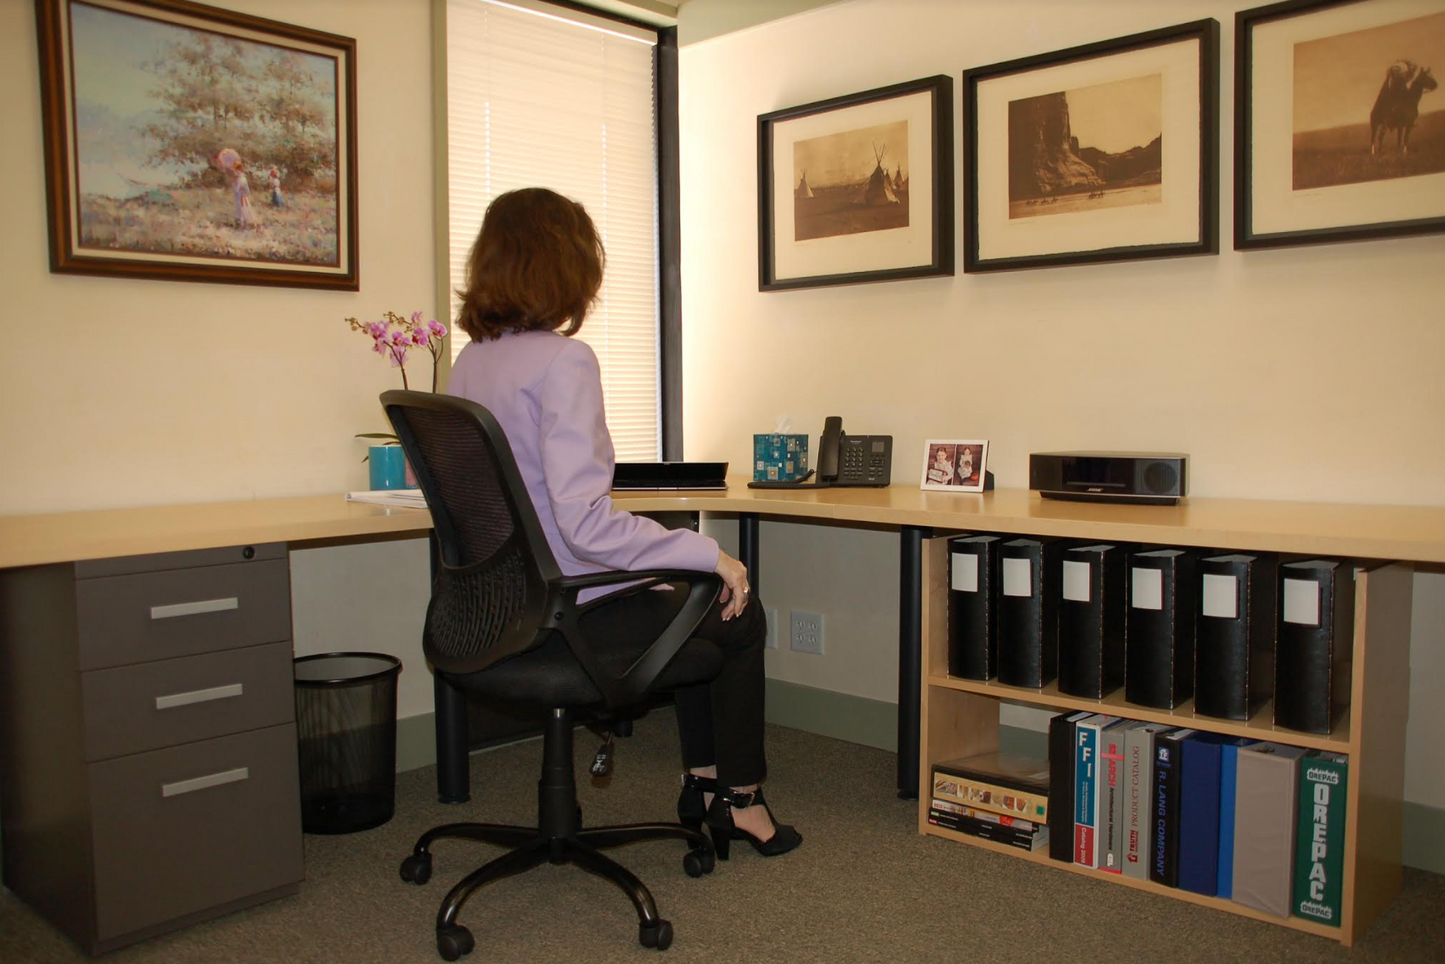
(779, 458)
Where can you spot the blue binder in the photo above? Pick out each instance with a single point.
(1228, 782)
(1199, 795)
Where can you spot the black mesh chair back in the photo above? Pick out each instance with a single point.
(491, 598)
(499, 590)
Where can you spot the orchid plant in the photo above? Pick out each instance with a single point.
(395, 337)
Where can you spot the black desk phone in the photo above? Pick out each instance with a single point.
(844, 460)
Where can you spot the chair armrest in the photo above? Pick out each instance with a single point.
(615, 576)
(633, 684)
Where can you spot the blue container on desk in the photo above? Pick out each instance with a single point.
(779, 457)
(388, 467)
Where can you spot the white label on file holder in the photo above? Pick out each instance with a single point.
(1148, 589)
(1220, 596)
(1302, 602)
(1017, 578)
(1076, 581)
(965, 572)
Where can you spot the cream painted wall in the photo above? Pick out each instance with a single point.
(1304, 373)
(130, 393)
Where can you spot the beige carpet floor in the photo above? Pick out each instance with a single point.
(864, 887)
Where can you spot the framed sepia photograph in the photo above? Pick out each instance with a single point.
(1340, 121)
(188, 143)
(1104, 152)
(857, 188)
(954, 465)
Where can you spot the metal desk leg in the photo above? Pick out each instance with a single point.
(910, 655)
(453, 773)
(748, 547)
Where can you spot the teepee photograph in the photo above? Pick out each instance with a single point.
(857, 188)
(851, 182)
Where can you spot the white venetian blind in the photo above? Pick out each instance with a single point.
(542, 96)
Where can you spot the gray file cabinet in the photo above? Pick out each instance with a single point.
(148, 772)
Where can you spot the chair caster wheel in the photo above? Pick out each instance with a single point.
(454, 942)
(698, 862)
(416, 869)
(658, 934)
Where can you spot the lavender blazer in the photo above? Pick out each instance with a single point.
(546, 391)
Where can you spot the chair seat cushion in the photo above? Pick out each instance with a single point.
(550, 674)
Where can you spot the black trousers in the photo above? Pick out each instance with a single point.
(720, 722)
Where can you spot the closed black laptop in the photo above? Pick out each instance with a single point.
(670, 475)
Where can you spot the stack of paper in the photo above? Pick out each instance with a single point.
(411, 498)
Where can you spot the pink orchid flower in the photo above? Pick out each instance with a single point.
(436, 328)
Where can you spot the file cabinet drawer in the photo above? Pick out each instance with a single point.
(181, 830)
(181, 612)
(129, 709)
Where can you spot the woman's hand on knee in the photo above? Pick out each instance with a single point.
(735, 584)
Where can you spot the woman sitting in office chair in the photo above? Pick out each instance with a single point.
(532, 275)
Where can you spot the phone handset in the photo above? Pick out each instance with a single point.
(828, 445)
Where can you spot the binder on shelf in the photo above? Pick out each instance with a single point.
(1234, 652)
(1315, 646)
(1159, 629)
(1062, 729)
(1320, 841)
(1086, 788)
(973, 607)
(1112, 787)
(1028, 607)
(1168, 771)
(1139, 767)
(1228, 790)
(1266, 813)
(1091, 620)
(1199, 811)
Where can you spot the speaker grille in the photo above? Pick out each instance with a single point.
(1160, 478)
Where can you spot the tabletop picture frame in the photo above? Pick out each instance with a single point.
(1102, 152)
(1339, 121)
(185, 142)
(857, 188)
(954, 465)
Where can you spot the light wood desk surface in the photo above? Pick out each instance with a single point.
(1410, 533)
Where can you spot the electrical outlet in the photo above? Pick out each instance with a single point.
(807, 632)
(771, 615)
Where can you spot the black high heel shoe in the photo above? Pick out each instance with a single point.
(691, 810)
(724, 830)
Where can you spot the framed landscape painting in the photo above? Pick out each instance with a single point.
(1104, 152)
(857, 188)
(185, 142)
(1340, 121)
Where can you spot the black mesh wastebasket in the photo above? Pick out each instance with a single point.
(346, 725)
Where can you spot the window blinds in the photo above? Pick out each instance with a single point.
(541, 96)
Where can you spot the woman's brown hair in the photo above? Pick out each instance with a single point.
(536, 266)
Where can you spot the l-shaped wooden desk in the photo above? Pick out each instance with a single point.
(937, 711)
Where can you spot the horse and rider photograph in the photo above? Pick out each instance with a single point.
(1367, 104)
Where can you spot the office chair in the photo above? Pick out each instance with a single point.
(504, 624)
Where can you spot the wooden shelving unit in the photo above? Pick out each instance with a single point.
(960, 718)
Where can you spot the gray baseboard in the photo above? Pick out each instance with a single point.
(857, 719)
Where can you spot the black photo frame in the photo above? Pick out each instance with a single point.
(1035, 196)
(1333, 174)
(859, 226)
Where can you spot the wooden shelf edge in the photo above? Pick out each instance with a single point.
(1216, 903)
(1338, 741)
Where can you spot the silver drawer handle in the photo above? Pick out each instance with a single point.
(195, 608)
(198, 696)
(201, 783)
